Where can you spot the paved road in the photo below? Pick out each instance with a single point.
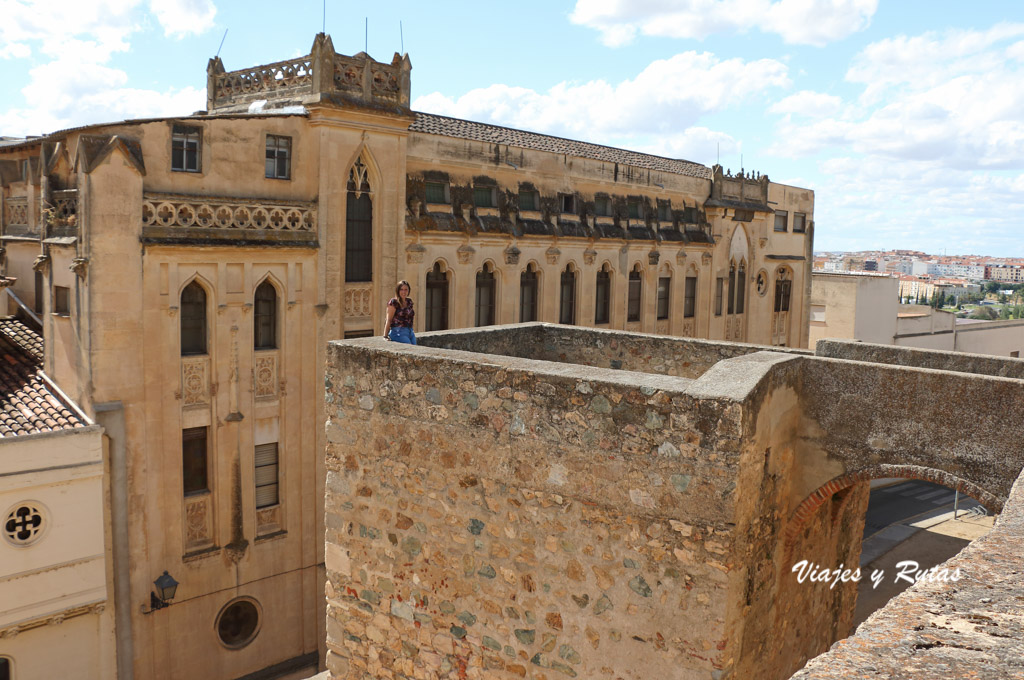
(896, 503)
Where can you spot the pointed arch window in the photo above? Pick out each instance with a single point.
(603, 295)
(528, 287)
(783, 291)
(567, 297)
(436, 306)
(358, 227)
(635, 293)
(193, 320)
(265, 316)
(731, 302)
(741, 287)
(485, 298)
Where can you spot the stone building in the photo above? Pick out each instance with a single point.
(55, 618)
(190, 271)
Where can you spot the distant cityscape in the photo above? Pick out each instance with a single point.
(927, 278)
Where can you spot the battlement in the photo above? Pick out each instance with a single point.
(322, 76)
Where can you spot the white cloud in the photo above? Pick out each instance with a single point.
(667, 95)
(181, 17)
(807, 22)
(76, 86)
(809, 104)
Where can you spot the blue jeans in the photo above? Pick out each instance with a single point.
(402, 334)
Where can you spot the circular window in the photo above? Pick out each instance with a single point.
(238, 623)
(24, 524)
(762, 282)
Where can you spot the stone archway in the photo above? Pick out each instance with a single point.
(819, 496)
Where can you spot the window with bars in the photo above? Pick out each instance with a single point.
(567, 297)
(634, 294)
(193, 320)
(194, 460)
(664, 286)
(436, 305)
(279, 157)
(485, 298)
(719, 285)
(690, 298)
(799, 223)
(603, 296)
(437, 192)
(528, 289)
(186, 145)
(266, 475)
(602, 206)
(483, 197)
(781, 220)
(529, 199)
(265, 316)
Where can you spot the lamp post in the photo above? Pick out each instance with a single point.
(166, 587)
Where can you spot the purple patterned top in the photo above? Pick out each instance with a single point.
(402, 317)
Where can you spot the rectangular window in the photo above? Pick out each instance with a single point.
(602, 306)
(719, 287)
(279, 157)
(61, 300)
(194, 460)
(1015, 354)
(567, 298)
(437, 192)
(690, 215)
(799, 223)
(634, 209)
(528, 200)
(690, 301)
(483, 197)
(664, 285)
(365, 333)
(782, 293)
(266, 475)
(664, 211)
(568, 202)
(633, 298)
(603, 206)
(732, 291)
(186, 142)
(781, 220)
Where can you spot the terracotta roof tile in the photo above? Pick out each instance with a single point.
(434, 124)
(23, 336)
(29, 402)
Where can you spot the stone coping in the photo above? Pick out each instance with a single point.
(972, 628)
(910, 357)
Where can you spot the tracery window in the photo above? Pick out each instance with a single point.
(358, 227)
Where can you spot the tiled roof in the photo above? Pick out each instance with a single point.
(465, 129)
(23, 336)
(29, 402)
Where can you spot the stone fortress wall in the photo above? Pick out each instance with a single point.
(540, 511)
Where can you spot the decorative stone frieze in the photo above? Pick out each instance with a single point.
(357, 299)
(265, 375)
(195, 380)
(197, 521)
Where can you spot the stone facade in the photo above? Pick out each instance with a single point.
(498, 508)
(115, 230)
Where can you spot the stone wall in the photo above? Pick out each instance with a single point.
(485, 515)
(960, 362)
(682, 357)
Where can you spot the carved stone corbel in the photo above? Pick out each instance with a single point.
(41, 263)
(512, 254)
(79, 266)
(653, 258)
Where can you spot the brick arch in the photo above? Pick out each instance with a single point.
(817, 498)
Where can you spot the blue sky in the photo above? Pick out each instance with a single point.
(906, 117)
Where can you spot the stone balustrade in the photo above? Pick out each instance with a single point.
(175, 217)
